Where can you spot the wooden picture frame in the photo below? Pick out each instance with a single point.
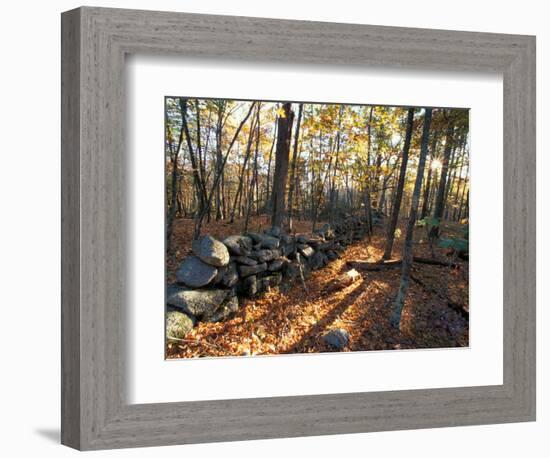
(95, 413)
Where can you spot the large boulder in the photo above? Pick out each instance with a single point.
(199, 303)
(178, 324)
(195, 273)
(337, 338)
(246, 271)
(211, 251)
(238, 245)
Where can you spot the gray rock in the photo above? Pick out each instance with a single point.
(337, 338)
(325, 246)
(200, 303)
(306, 250)
(291, 270)
(245, 271)
(332, 255)
(269, 242)
(245, 260)
(211, 251)
(285, 238)
(288, 248)
(256, 238)
(239, 245)
(262, 255)
(178, 324)
(276, 265)
(270, 281)
(195, 273)
(318, 260)
(218, 278)
(173, 288)
(249, 286)
(276, 253)
(231, 277)
(302, 238)
(225, 311)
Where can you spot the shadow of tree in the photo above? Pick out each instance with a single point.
(328, 319)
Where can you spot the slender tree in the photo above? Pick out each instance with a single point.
(292, 184)
(392, 223)
(399, 301)
(440, 199)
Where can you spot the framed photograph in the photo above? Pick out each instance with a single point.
(277, 228)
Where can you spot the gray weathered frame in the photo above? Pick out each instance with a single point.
(95, 41)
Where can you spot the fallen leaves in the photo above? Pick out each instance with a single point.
(295, 321)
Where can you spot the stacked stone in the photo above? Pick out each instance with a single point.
(211, 279)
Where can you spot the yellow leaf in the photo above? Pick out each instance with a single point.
(281, 113)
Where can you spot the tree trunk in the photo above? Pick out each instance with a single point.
(427, 187)
(281, 165)
(238, 194)
(268, 180)
(199, 184)
(407, 250)
(174, 184)
(368, 209)
(293, 167)
(440, 200)
(254, 180)
(392, 223)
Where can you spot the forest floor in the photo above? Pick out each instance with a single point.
(295, 320)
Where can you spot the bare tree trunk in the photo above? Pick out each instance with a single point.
(254, 180)
(281, 165)
(440, 200)
(199, 184)
(368, 209)
(238, 194)
(268, 180)
(174, 184)
(293, 167)
(407, 251)
(427, 187)
(219, 160)
(332, 192)
(392, 223)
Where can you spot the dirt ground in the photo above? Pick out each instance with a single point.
(295, 320)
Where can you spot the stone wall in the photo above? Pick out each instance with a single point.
(210, 281)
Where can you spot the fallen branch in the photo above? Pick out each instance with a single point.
(383, 265)
(453, 305)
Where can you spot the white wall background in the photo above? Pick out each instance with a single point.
(29, 229)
